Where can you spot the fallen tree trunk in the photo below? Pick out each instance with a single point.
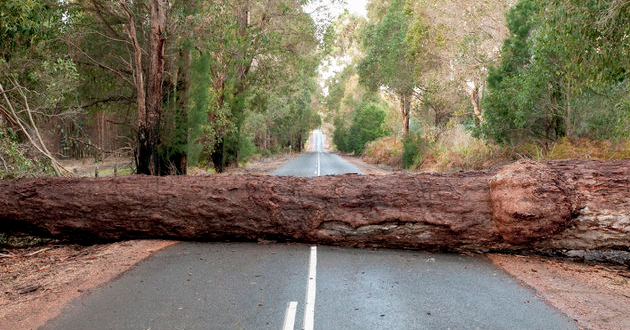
(558, 205)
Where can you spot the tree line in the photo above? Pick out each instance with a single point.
(510, 72)
(183, 82)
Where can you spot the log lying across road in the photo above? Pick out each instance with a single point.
(571, 205)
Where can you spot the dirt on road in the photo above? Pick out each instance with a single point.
(366, 168)
(37, 282)
(596, 296)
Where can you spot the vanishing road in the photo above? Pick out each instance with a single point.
(291, 286)
(317, 162)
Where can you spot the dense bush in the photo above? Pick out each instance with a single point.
(366, 126)
(563, 73)
(15, 161)
(414, 148)
(387, 150)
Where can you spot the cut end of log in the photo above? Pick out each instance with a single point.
(529, 202)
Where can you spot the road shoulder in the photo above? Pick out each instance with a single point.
(597, 297)
(37, 282)
(366, 168)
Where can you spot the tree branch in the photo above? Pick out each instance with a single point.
(99, 64)
(41, 147)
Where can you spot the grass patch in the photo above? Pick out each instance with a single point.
(110, 171)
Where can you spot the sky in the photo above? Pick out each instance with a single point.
(334, 8)
(357, 7)
(322, 12)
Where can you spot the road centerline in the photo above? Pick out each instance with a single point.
(289, 316)
(309, 309)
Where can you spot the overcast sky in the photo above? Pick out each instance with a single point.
(357, 7)
(323, 11)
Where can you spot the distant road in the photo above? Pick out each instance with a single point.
(317, 162)
(290, 286)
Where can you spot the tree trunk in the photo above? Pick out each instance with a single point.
(405, 105)
(556, 206)
(475, 100)
(149, 128)
(176, 160)
(227, 150)
(217, 156)
(568, 121)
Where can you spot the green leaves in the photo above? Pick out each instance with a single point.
(366, 126)
(556, 68)
(386, 62)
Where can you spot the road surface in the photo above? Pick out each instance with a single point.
(291, 286)
(317, 162)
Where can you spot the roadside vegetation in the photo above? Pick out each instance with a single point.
(422, 85)
(170, 85)
(469, 86)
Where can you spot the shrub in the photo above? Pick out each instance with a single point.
(589, 149)
(366, 126)
(414, 148)
(386, 150)
(15, 161)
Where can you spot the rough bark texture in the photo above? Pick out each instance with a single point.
(525, 206)
(405, 107)
(149, 129)
(530, 202)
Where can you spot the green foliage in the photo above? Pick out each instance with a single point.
(366, 126)
(519, 92)
(14, 161)
(198, 131)
(386, 62)
(340, 136)
(413, 150)
(560, 75)
(22, 24)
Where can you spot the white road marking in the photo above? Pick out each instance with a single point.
(318, 164)
(289, 316)
(309, 307)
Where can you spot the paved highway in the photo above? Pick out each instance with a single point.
(317, 162)
(292, 286)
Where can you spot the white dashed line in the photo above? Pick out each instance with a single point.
(289, 316)
(309, 307)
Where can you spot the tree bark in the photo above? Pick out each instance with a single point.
(566, 205)
(405, 106)
(475, 100)
(149, 126)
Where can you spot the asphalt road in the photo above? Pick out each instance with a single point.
(317, 162)
(290, 286)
